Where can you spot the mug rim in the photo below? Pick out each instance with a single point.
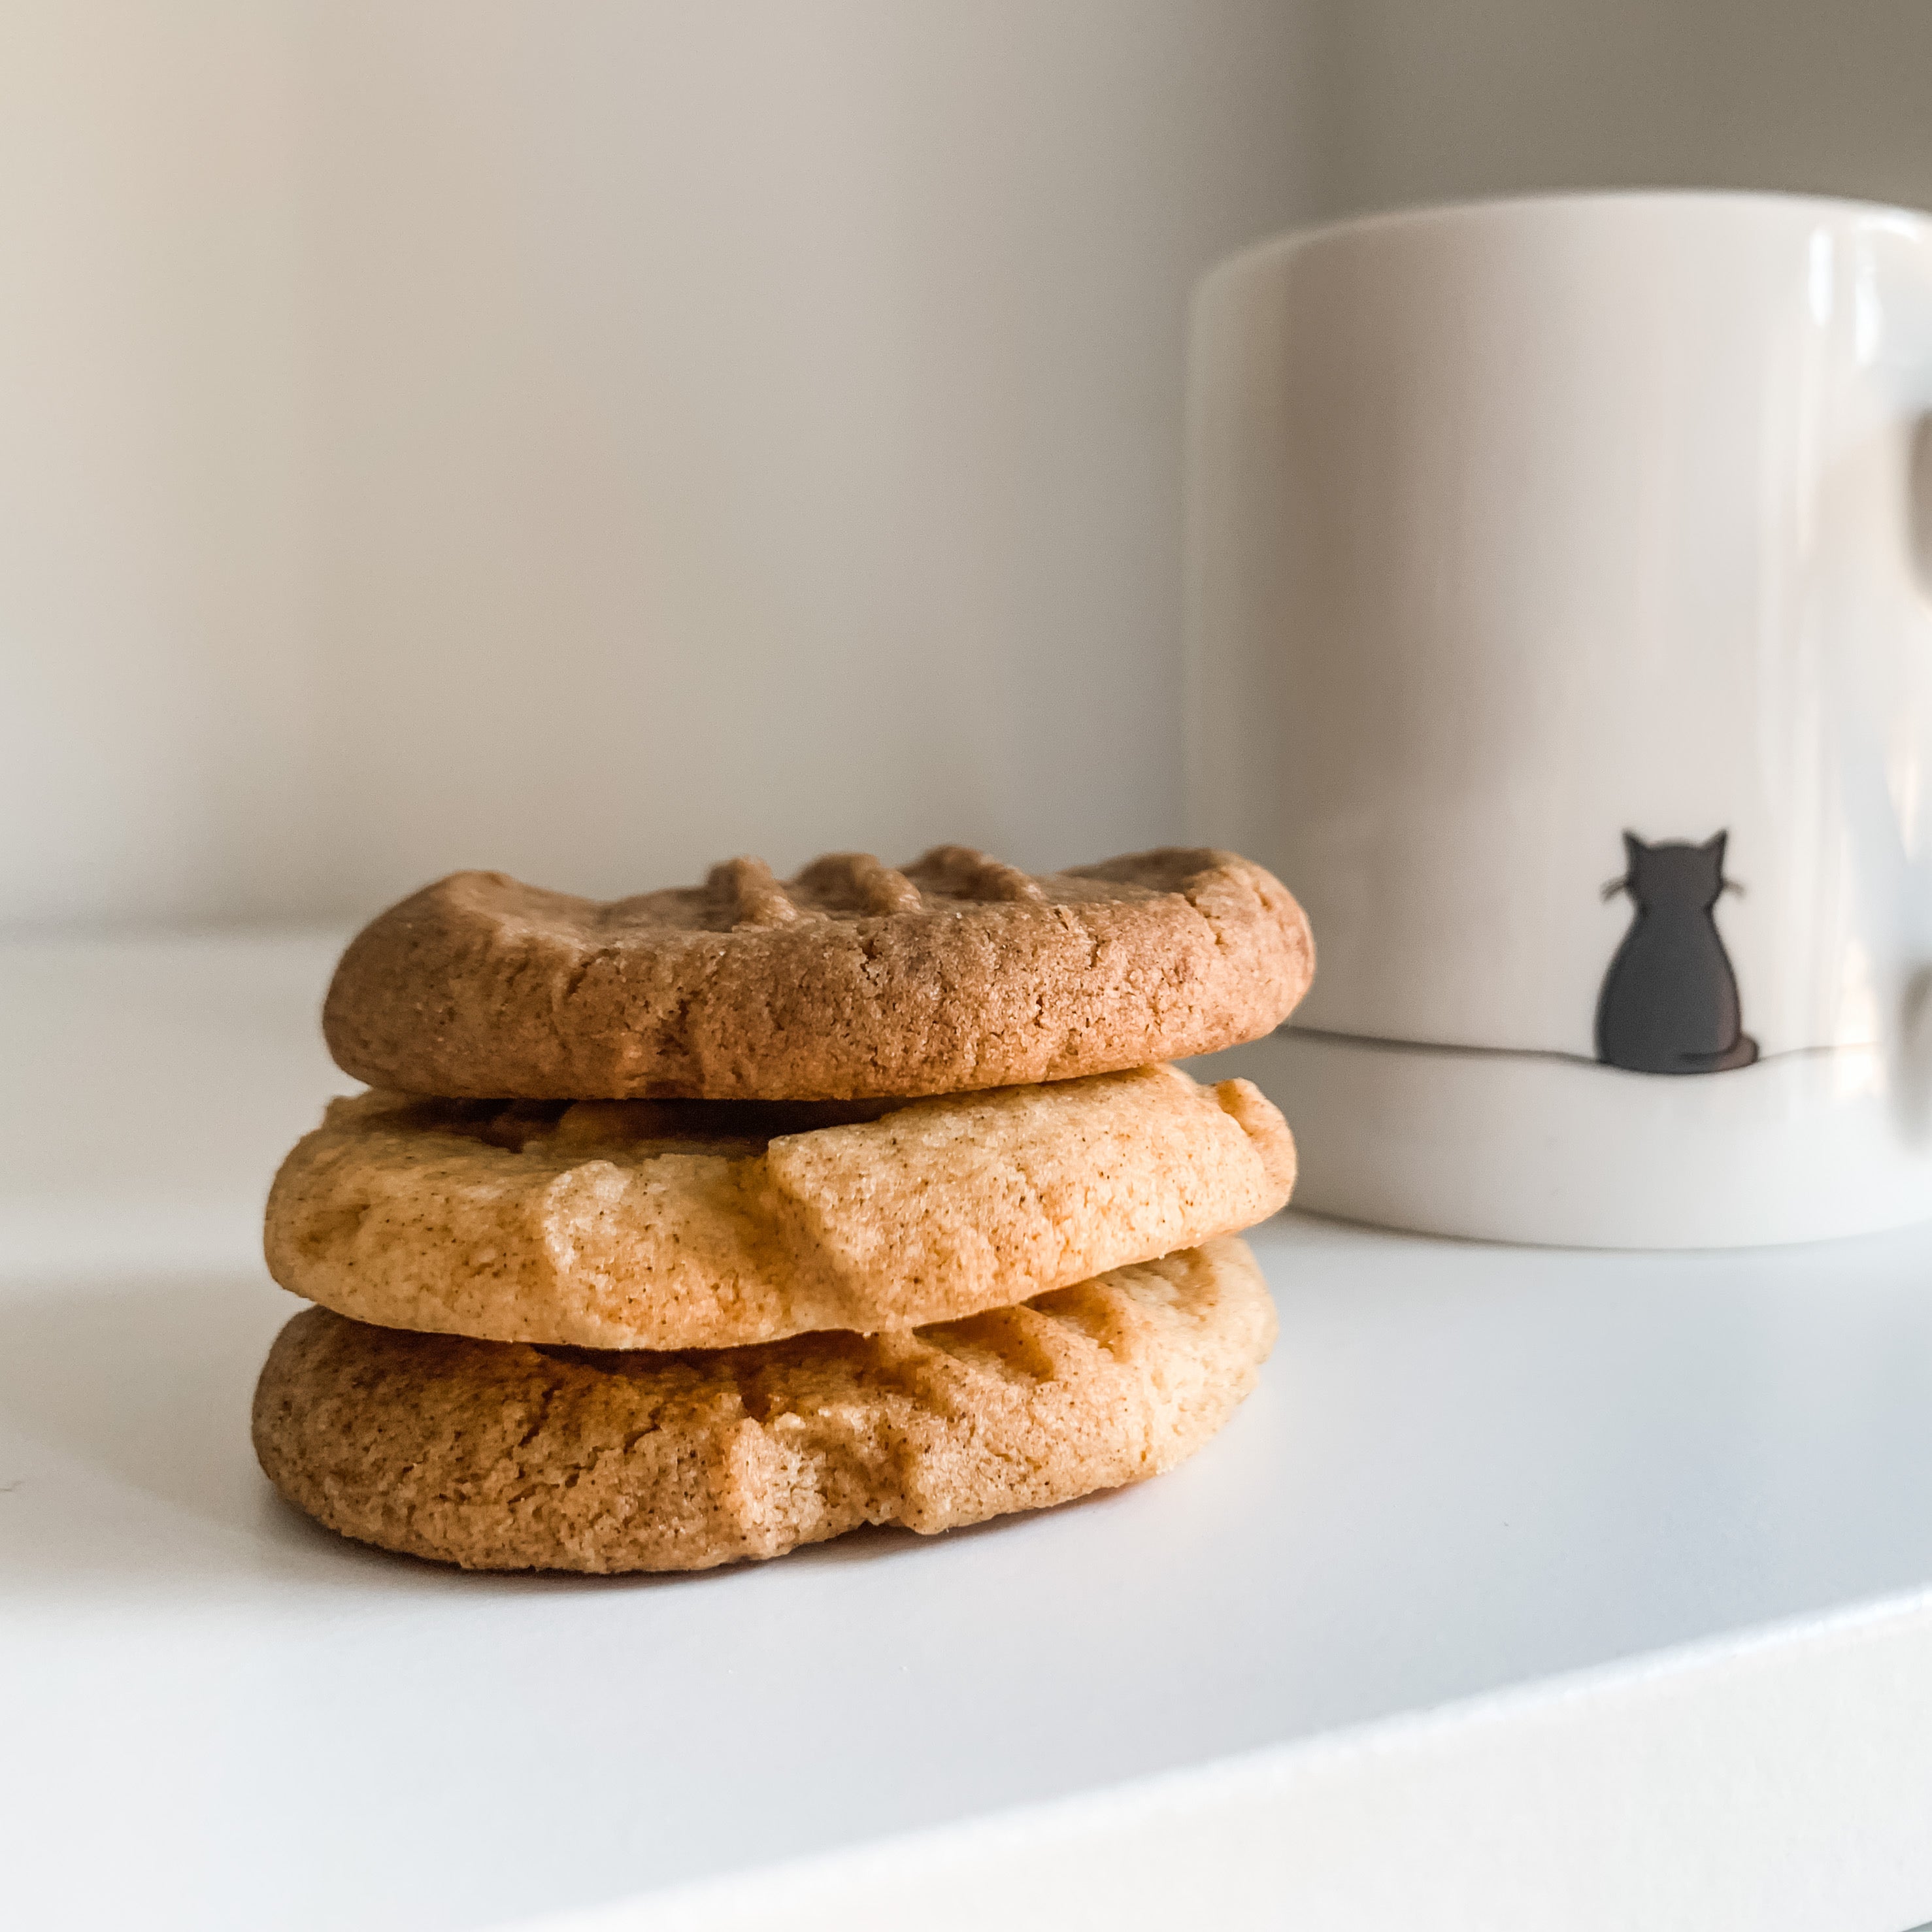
(1445, 214)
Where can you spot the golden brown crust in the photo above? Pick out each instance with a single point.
(499, 1457)
(852, 979)
(700, 1224)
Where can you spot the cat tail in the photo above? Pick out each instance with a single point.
(1741, 1052)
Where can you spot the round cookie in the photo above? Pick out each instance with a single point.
(500, 1457)
(696, 1224)
(850, 980)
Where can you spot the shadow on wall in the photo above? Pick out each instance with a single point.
(1431, 104)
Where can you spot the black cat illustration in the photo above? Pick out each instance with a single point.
(1670, 1002)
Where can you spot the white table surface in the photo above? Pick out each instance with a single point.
(1535, 1590)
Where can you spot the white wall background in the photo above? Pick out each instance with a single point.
(156, 668)
(591, 440)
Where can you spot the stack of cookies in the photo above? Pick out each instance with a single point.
(698, 1226)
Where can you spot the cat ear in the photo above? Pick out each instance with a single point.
(1714, 845)
(1634, 848)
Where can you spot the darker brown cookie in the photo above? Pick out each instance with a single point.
(850, 980)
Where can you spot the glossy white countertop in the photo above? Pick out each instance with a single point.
(1530, 1590)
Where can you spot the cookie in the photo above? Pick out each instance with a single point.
(500, 1457)
(696, 1224)
(850, 980)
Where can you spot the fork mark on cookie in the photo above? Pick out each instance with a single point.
(744, 894)
(856, 881)
(963, 873)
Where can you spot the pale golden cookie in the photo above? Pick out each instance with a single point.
(852, 980)
(695, 1224)
(499, 1457)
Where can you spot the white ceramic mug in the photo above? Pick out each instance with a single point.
(1559, 632)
